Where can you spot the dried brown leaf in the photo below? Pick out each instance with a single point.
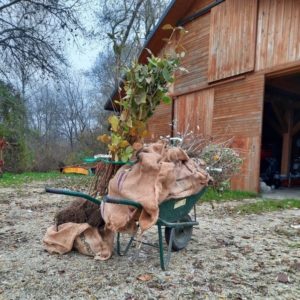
(145, 277)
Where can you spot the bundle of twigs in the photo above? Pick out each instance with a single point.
(215, 153)
(223, 162)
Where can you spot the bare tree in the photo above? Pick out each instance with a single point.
(30, 35)
(44, 111)
(74, 110)
(126, 25)
(63, 122)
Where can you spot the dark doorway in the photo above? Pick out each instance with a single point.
(280, 152)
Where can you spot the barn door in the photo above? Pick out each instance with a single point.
(238, 114)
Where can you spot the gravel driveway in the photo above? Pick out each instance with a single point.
(230, 256)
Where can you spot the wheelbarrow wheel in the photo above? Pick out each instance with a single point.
(181, 236)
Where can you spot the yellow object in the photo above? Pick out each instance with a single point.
(76, 170)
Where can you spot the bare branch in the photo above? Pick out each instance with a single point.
(9, 4)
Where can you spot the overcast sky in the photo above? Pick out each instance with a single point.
(84, 56)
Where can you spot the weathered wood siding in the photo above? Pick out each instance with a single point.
(229, 110)
(278, 33)
(238, 107)
(236, 37)
(248, 177)
(195, 61)
(232, 39)
(194, 112)
(159, 123)
(238, 113)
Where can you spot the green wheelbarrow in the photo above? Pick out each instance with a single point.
(173, 217)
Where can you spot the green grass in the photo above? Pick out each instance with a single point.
(266, 205)
(228, 195)
(260, 206)
(295, 245)
(10, 179)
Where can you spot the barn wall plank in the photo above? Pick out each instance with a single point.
(160, 123)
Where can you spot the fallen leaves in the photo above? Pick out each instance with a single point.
(145, 277)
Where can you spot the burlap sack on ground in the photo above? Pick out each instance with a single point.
(162, 172)
(84, 238)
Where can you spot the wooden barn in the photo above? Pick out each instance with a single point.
(243, 58)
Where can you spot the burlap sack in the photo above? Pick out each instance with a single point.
(161, 173)
(84, 238)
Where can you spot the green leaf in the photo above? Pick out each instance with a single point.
(149, 80)
(124, 157)
(129, 150)
(124, 144)
(166, 74)
(166, 99)
(115, 139)
(114, 122)
(141, 97)
(152, 61)
(126, 129)
(123, 115)
(126, 154)
(129, 122)
(125, 104)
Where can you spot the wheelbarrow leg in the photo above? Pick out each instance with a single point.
(119, 251)
(164, 260)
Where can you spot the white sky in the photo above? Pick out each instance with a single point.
(84, 56)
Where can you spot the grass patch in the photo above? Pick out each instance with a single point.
(228, 195)
(268, 205)
(294, 246)
(10, 179)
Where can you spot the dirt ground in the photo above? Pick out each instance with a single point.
(229, 257)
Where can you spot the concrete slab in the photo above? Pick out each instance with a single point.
(283, 193)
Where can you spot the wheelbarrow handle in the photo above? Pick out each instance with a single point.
(109, 199)
(72, 193)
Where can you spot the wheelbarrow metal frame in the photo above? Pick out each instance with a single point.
(169, 216)
(171, 212)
